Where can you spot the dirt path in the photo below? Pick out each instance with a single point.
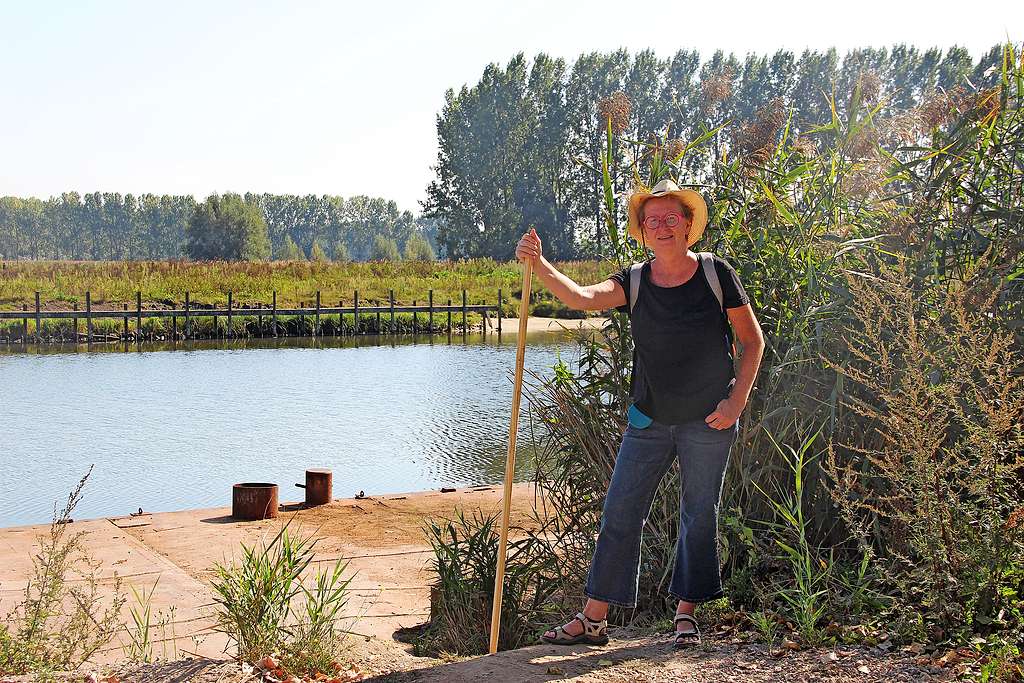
(630, 658)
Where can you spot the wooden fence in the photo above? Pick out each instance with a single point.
(189, 313)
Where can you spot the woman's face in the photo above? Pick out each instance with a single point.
(662, 211)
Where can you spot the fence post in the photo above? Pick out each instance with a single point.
(316, 325)
(463, 312)
(499, 312)
(39, 336)
(391, 300)
(138, 316)
(229, 315)
(88, 318)
(188, 320)
(355, 313)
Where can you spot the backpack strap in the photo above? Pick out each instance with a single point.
(707, 262)
(634, 283)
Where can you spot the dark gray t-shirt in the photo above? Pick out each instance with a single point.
(682, 359)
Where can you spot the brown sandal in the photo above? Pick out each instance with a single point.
(686, 638)
(594, 633)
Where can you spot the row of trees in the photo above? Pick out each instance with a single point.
(523, 146)
(112, 226)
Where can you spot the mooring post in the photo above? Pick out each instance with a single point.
(499, 312)
(188, 320)
(463, 313)
(449, 318)
(88, 318)
(74, 321)
(24, 325)
(341, 318)
(355, 312)
(138, 316)
(124, 337)
(39, 336)
(414, 322)
(229, 315)
(391, 299)
(174, 328)
(430, 314)
(274, 314)
(316, 325)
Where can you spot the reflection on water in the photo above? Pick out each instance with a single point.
(172, 426)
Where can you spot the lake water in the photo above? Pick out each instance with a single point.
(174, 427)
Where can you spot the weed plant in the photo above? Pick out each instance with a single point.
(265, 609)
(464, 563)
(62, 621)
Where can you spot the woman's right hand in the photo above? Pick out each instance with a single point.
(529, 247)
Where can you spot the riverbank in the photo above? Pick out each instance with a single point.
(173, 554)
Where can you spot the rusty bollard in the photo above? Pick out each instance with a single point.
(319, 486)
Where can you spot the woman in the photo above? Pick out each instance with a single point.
(686, 403)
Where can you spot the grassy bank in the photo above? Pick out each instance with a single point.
(61, 284)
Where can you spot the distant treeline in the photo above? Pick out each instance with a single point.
(112, 226)
(522, 147)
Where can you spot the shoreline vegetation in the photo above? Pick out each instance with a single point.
(253, 286)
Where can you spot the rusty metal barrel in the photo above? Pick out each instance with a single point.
(251, 501)
(319, 486)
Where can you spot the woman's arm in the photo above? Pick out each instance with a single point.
(599, 297)
(748, 334)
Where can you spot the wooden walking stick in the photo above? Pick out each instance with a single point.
(510, 462)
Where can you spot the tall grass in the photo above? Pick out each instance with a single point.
(465, 552)
(814, 225)
(266, 609)
(163, 284)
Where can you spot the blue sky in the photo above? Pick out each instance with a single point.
(341, 98)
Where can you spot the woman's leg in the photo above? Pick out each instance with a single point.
(703, 455)
(643, 458)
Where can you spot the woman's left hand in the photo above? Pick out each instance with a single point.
(725, 415)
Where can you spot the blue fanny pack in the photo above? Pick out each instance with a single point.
(637, 418)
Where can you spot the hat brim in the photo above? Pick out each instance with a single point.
(690, 198)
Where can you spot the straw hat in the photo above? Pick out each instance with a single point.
(667, 188)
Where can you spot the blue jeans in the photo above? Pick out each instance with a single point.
(644, 457)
